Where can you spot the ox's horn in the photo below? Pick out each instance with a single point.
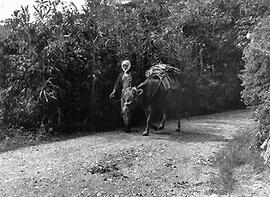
(127, 103)
(264, 144)
(139, 91)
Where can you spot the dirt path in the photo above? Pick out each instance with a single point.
(117, 164)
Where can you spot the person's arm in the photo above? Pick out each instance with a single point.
(133, 79)
(117, 85)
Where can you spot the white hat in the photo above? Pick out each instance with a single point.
(127, 63)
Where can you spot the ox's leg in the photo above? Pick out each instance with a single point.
(153, 126)
(162, 124)
(178, 122)
(148, 123)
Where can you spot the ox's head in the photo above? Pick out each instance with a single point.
(130, 99)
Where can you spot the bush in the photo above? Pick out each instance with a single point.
(256, 77)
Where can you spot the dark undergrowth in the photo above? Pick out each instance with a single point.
(15, 138)
(22, 139)
(240, 152)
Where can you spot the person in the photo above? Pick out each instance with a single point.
(123, 81)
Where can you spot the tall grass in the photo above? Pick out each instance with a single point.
(239, 152)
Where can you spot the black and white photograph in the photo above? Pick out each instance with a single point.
(134, 98)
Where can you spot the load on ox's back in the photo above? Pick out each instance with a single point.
(160, 90)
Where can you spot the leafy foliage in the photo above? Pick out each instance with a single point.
(3, 32)
(255, 76)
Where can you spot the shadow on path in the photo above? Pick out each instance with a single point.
(189, 136)
(166, 135)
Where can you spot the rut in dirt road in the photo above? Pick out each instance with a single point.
(166, 163)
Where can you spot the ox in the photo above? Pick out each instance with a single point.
(152, 95)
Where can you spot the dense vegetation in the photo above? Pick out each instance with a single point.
(59, 69)
(256, 75)
(3, 32)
